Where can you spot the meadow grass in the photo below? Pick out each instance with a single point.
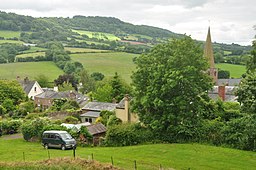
(33, 54)
(11, 42)
(29, 69)
(98, 35)
(236, 71)
(108, 63)
(177, 156)
(9, 34)
(84, 50)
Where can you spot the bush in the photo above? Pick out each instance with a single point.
(10, 127)
(127, 134)
(71, 119)
(34, 128)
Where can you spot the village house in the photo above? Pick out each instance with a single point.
(45, 99)
(31, 88)
(91, 111)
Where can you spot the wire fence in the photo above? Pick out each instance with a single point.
(117, 162)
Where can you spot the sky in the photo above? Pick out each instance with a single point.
(231, 21)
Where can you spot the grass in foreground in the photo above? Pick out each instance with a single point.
(177, 156)
(108, 63)
(29, 69)
(236, 71)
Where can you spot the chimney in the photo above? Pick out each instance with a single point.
(221, 92)
(126, 107)
(26, 80)
(55, 88)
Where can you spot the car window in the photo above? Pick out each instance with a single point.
(65, 136)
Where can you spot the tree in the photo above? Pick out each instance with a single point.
(87, 81)
(69, 67)
(247, 89)
(11, 90)
(223, 74)
(103, 93)
(66, 78)
(42, 80)
(171, 87)
(97, 76)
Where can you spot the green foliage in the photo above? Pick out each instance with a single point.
(43, 80)
(70, 104)
(251, 64)
(113, 120)
(34, 128)
(128, 134)
(65, 86)
(26, 107)
(85, 133)
(223, 74)
(247, 93)
(11, 90)
(97, 76)
(10, 126)
(8, 105)
(105, 115)
(88, 83)
(2, 110)
(71, 120)
(170, 85)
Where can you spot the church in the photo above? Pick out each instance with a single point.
(223, 88)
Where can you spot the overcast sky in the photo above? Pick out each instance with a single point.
(231, 21)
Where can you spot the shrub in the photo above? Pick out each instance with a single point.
(10, 126)
(71, 119)
(127, 134)
(34, 128)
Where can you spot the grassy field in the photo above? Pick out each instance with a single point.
(108, 63)
(177, 156)
(35, 49)
(31, 54)
(98, 35)
(236, 71)
(9, 34)
(29, 69)
(11, 41)
(84, 50)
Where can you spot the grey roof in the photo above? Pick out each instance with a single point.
(51, 94)
(91, 114)
(99, 106)
(229, 82)
(121, 104)
(27, 85)
(96, 129)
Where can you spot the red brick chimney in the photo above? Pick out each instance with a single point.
(221, 92)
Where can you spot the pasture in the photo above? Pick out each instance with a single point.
(148, 157)
(98, 35)
(33, 54)
(29, 69)
(236, 71)
(9, 34)
(108, 63)
(11, 42)
(84, 50)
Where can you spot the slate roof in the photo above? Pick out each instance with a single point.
(121, 104)
(27, 85)
(51, 94)
(229, 82)
(91, 114)
(99, 106)
(96, 129)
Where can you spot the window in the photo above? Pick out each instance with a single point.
(35, 88)
(90, 120)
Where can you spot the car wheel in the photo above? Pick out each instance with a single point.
(46, 146)
(63, 147)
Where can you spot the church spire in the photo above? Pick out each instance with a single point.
(208, 54)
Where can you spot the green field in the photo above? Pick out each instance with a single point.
(31, 54)
(11, 41)
(98, 35)
(29, 69)
(177, 156)
(84, 50)
(108, 63)
(236, 71)
(9, 34)
(35, 49)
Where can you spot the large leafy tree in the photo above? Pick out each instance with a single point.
(247, 88)
(171, 87)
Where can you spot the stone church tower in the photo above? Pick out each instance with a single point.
(208, 54)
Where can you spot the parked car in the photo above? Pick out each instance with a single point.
(58, 139)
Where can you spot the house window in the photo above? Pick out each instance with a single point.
(86, 120)
(90, 120)
(35, 88)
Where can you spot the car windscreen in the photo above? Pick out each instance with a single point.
(65, 136)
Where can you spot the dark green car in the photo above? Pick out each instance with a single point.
(58, 139)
